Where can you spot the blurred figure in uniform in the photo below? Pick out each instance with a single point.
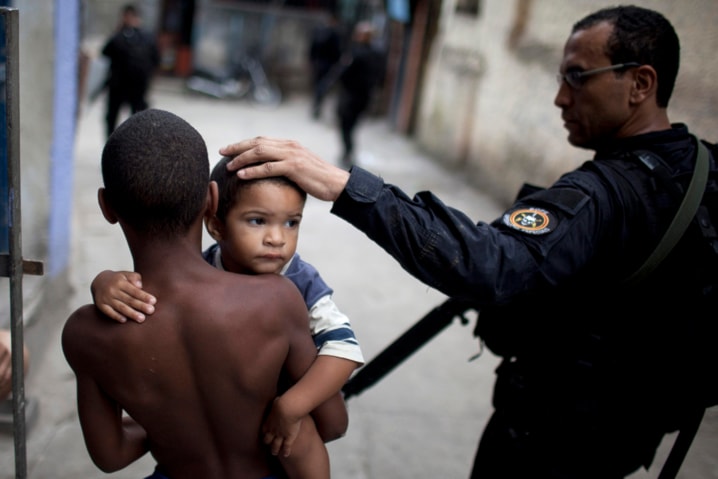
(134, 57)
(362, 72)
(325, 50)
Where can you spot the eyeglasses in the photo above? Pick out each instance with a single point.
(576, 79)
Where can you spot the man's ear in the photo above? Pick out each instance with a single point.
(107, 211)
(645, 83)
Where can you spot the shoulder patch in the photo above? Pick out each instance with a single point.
(534, 221)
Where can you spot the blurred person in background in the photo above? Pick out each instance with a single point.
(325, 50)
(134, 57)
(362, 72)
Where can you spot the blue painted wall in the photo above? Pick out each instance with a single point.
(67, 38)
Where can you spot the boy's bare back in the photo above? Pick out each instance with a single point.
(196, 379)
(215, 345)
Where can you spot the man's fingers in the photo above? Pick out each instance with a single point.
(257, 152)
(236, 149)
(261, 170)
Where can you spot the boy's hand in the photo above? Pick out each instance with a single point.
(281, 429)
(119, 295)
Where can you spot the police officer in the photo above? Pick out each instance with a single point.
(134, 57)
(362, 73)
(594, 371)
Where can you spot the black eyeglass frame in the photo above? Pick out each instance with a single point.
(574, 79)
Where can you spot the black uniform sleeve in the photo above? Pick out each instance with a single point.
(543, 239)
(110, 48)
(437, 244)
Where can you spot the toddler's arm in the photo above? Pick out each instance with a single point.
(317, 392)
(310, 459)
(119, 295)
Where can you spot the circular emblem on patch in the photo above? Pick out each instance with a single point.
(530, 220)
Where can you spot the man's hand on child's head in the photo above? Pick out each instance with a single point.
(119, 295)
(261, 157)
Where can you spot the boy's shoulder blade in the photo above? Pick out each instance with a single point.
(269, 290)
(78, 327)
(83, 313)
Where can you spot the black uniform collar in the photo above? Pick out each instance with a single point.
(665, 143)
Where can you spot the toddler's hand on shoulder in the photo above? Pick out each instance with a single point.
(119, 295)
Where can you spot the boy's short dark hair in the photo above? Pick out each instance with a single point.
(229, 185)
(155, 169)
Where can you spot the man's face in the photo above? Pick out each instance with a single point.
(599, 108)
(130, 19)
(261, 230)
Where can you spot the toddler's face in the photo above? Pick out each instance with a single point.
(262, 229)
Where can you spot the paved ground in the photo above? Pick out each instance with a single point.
(422, 421)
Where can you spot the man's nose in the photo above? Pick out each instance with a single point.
(563, 95)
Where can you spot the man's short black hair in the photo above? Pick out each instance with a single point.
(229, 185)
(155, 169)
(644, 36)
(130, 9)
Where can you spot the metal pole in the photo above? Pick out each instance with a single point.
(16, 267)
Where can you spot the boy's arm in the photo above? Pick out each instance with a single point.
(310, 459)
(113, 441)
(300, 358)
(119, 295)
(317, 392)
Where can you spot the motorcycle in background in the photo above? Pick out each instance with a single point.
(246, 78)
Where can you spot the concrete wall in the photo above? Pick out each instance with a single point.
(487, 108)
(36, 86)
(37, 136)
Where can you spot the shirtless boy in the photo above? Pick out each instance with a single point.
(193, 385)
(256, 228)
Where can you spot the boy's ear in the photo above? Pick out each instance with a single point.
(107, 211)
(214, 227)
(212, 198)
(211, 222)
